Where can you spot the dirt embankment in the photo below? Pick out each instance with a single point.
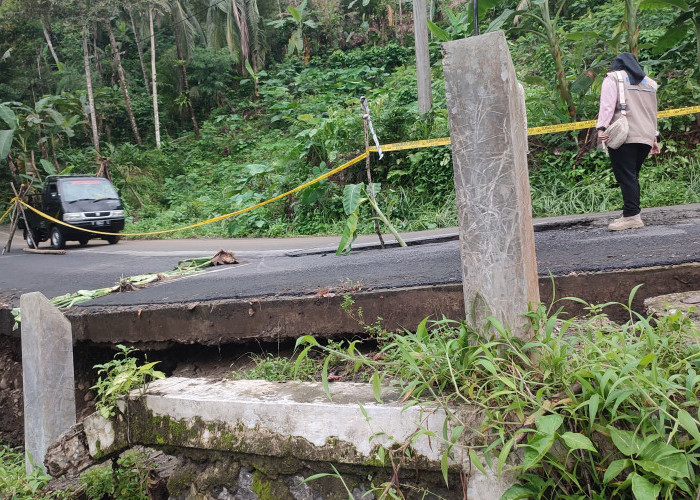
(11, 403)
(181, 360)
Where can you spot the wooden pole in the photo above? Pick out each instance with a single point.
(22, 192)
(370, 190)
(17, 209)
(13, 227)
(420, 28)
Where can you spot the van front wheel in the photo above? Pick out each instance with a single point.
(113, 240)
(30, 238)
(58, 241)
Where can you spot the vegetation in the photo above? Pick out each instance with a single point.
(256, 97)
(595, 409)
(14, 482)
(120, 376)
(129, 478)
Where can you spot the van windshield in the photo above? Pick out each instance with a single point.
(87, 189)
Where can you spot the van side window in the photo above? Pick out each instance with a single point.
(53, 190)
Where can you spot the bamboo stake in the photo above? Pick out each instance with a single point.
(13, 227)
(44, 250)
(22, 192)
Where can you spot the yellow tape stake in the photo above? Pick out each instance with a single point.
(215, 219)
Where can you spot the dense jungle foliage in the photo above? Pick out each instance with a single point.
(255, 97)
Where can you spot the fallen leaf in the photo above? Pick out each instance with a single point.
(323, 291)
(335, 378)
(251, 312)
(192, 306)
(138, 314)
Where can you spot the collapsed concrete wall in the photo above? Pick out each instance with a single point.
(283, 433)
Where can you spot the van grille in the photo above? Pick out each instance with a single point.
(96, 214)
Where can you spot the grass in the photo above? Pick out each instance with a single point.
(14, 483)
(592, 408)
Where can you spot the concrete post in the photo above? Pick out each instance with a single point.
(47, 373)
(489, 144)
(420, 29)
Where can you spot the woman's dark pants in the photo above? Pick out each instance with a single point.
(626, 163)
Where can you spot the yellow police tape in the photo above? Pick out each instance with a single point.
(12, 204)
(397, 146)
(208, 221)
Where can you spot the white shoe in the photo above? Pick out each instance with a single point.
(623, 223)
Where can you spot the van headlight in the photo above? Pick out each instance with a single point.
(73, 217)
(117, 213)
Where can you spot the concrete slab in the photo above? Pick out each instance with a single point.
(283, 425)
(273, 419)
(686, 303)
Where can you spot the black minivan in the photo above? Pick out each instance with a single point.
(86, 202)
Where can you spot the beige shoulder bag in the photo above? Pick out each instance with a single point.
(618, 130)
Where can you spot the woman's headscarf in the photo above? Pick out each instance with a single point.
(627, 62)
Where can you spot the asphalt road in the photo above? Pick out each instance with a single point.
(300, 266)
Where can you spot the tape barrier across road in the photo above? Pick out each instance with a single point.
(397, 146)
(208, 221)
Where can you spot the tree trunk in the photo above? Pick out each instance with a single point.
(243, 30)
(632, 28)
(156, 120)
(550, 28)
(140, 50)
(562, 82)
(98, 59)
(696, 25)
(47, 35)
(420, 28)
(91, 100)
(122, 81)
(186, 85)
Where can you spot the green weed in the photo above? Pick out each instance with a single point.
(128, 480)
(14, 483)
(595, 410)
(118, 377)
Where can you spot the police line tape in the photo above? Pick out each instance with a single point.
(397, 146)
(208, 221)
(12, 204)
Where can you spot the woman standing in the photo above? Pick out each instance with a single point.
(640, 99)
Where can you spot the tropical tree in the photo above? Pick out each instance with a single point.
(185, 29)
(90, 93)
(538, 21)
(129, 8)
(32, 128)
(43, 11)
(122, 79)
(154, 76)
(631, 25)
(675, 38)
(298, 19)
(460, 24)
(236, 24)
